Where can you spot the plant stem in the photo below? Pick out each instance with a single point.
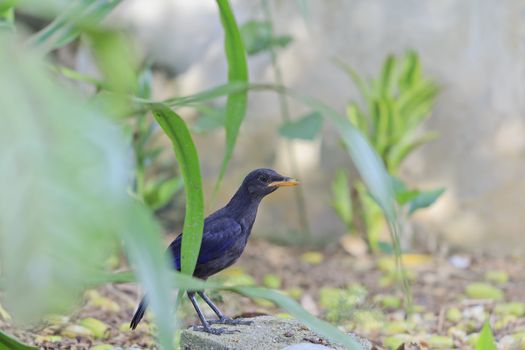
(285, 114)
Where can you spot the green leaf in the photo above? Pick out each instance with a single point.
(115, 59)
(403, 148)
(210, 118)
(237, 72)
(143, 242)
(67, 165)
(7, 4)
(342, 200)
(7, 17)
(357, 118)
(231, 88)
(403, 194)
(355, 77)
(388, 77)
(424, 199)
(486, 339)
(372, 215)
(411, 72)
(305, 128)
(188, 160)
(8, 343)
(65, 28)
(258, 36)
(63, 163)
(159, 193)
(74, 75)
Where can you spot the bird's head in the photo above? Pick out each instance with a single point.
(261, 182)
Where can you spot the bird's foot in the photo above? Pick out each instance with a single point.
(216, 331)
(229, 321)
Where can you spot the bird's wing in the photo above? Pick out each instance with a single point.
(218, 236)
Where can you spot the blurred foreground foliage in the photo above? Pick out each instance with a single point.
(71, 193)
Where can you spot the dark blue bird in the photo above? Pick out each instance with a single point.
(224, 237)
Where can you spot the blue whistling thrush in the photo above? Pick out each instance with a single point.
(224, 237)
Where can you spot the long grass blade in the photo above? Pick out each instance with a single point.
(143, 243)
(237, 72)
(188, 160)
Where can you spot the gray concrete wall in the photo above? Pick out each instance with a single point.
(475, 49)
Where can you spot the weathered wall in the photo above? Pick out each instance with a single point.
(475, 49)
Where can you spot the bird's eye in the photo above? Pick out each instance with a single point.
(263, 178)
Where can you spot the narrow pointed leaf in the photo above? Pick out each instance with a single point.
(486, 339)
(237, 72)
(188, 160)
(388, 77)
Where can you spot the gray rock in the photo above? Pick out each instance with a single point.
(265, 333)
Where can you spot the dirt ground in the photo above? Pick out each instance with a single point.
(452, 298)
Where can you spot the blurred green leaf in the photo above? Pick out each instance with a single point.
(486, 339)
(342, 199)
(159, 193)
(403, 194)
(8, 343)
(355, 77)
(424, 199)
(237, 72)
(115, 59)
(385, 247)
(411, 71)
(7, 16)
(305, 128)
(142, 237)
(357, 118)
(64, 170)
(372, 215)
(388, 77)
(77, 76)
(210, 118)
(7, 4)
(399, 151)
(65, 27)
(257, 37)
(188, 160)
(145, 80)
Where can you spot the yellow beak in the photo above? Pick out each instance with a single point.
(284, 183)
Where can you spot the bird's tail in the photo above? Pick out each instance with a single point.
(139, 314)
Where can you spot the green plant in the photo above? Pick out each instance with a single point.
(395, 105)
(486, 339)
(64, 167)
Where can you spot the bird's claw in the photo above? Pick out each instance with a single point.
(215, 331)
(229, 321)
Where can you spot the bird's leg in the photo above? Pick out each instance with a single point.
(222, 319)
(205, 324)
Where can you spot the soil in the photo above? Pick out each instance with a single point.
(438, 285)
